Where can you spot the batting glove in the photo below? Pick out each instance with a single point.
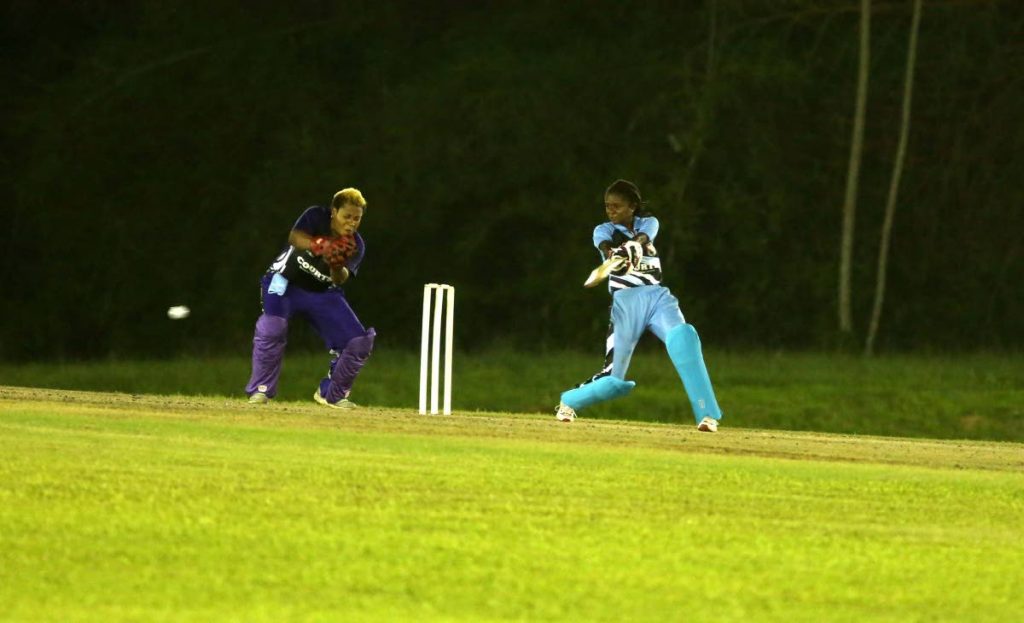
(634, 253)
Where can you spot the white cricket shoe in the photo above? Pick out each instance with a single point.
(344, 403)
(565, 413)
(258, 398)
(708, 425)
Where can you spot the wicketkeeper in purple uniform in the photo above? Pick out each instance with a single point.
(324, 250)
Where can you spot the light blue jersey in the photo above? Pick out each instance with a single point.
(649, 271)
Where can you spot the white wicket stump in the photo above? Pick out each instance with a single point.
(443, 305)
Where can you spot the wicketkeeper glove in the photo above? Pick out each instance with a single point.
(335, 251)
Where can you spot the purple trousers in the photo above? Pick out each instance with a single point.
(334, 321)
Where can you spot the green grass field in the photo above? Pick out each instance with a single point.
(947, 397)
(120, 507)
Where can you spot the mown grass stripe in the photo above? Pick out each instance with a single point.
(150, 509)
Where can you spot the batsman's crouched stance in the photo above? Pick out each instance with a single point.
(640, 303)
(324, 250)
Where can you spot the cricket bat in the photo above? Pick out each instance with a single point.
(606, 268)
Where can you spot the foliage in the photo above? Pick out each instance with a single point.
(158, 155)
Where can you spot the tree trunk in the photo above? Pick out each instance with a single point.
(853, 173)
(894, 186)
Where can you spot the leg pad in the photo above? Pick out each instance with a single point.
(604, 388)
(345, 369)
(683, 346)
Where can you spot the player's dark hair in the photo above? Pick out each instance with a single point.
(629, 190)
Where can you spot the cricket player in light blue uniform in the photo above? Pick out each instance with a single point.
(640, 303)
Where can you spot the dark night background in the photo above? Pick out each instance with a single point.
(157, 153)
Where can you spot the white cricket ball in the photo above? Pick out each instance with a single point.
(178, 312)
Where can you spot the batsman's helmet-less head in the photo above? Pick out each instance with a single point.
(629, 190)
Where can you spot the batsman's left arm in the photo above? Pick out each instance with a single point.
(648, 228)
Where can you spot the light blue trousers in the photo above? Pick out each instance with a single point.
(654, 308)
(635, 310)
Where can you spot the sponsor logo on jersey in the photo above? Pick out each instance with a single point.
(312, 270)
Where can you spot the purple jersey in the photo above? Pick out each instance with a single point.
(302, 268)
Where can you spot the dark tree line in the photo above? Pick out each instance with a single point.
(156, 154)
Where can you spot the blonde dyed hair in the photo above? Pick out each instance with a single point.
(348, 196)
